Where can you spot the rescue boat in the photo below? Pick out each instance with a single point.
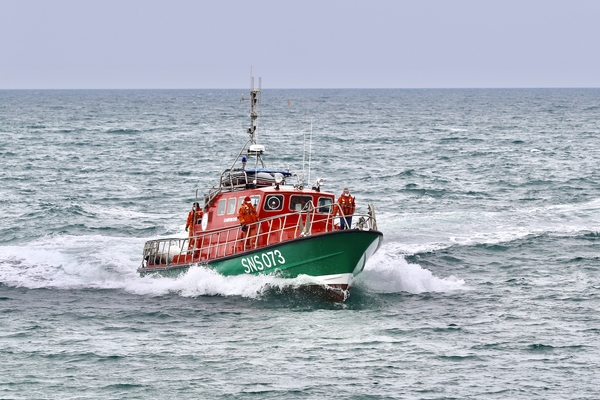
(297, 233)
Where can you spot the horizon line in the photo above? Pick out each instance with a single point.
(331, 88)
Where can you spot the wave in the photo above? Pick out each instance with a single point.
(123, 131)
(389, 272)
(100, 262)
(416, 232)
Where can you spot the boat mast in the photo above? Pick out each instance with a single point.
(254, 149)
(254, 103)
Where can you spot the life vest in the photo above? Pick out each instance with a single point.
(247, 214)
(346, 205)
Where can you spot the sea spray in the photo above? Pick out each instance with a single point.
(388, 272)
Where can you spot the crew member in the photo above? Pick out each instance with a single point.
(345, 208)
(247, 216)
(194, 217)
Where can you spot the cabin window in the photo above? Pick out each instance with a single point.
(221, 208)
(324, 205)
(274, 202)
(299, 203)
(231, 206)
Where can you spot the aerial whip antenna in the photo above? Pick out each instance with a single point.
(303, 148)
(309, 150)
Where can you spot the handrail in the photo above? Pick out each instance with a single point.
(230, 241)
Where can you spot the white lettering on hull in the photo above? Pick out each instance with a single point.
(260, 262)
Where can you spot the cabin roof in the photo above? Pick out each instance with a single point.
(283, 189)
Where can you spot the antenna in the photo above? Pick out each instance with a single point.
(254, 103)
(254, 148)
(259, 95)
(303, 148)
(309, 150)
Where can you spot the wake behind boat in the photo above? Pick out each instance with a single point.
(256, 221)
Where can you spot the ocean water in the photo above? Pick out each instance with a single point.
(486, 286)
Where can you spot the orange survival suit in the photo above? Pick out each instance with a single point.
(247, 215)
(194, 217)
(345, 205)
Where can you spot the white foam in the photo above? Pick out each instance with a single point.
(100, 262)
(67, 262)
(202, 281)
(77, 262)
(388, 272)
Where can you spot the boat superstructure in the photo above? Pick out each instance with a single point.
(297, 232)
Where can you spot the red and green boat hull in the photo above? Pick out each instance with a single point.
(333, 259)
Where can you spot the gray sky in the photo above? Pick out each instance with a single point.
(46, 44)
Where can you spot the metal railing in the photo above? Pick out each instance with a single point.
(225, 242)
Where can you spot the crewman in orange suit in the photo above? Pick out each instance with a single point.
(247, 216)
(194, 218)
(345, 207)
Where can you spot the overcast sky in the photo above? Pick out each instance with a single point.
(47, 44)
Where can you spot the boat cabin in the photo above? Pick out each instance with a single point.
(270, 202)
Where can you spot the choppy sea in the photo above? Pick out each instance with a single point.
(486, 286)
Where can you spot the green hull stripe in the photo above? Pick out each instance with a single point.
(314, 259)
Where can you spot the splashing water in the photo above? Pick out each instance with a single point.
(388, 272)
(75, 262)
